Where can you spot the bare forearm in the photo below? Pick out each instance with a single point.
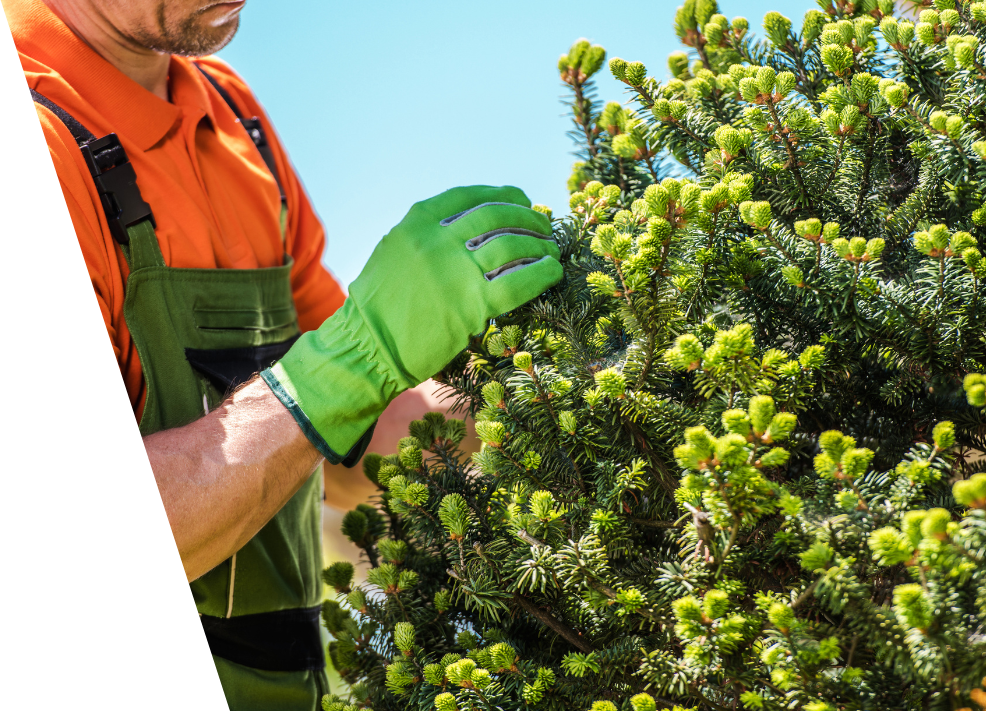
(224, 476)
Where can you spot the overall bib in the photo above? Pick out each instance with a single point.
(199, 333)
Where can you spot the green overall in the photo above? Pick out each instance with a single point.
(199, 332)
(206, 311)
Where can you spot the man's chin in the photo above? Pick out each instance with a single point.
(203, 41)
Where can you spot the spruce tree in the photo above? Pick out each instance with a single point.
(735, 459)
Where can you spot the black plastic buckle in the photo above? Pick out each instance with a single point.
(255, 130)
(259, 138)
(116, 183)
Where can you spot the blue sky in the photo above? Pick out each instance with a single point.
(382, 104)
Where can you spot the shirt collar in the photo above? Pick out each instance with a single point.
(129, 109)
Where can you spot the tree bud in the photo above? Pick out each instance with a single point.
(849, 118)
(687, 609)
(961, 241)
(567, 422)
(445, 702)
(940, 236)
(896, 95)
(577, 51)
(766, 78)
(404, 636)
(635, 73)
(678, 64)
(593, 60)
(603, 284)
(619, 68)
(713, 33)
(837, 59)
(890, 546)
(611, 382)
(925, 33)
(889, 28)
(749, 89)
(863, 86)
(862, 30)
(523, 361)
(410, 458)
(736, 422)
(785, 83)
(875, 247)
(972, 491)
(672, 187)
(831, 120)
(491, 432)
(760, 215)
(728, 139)
(846, 31)
(777, 28)
(339, 576)
(781, 426)
(831, 36)
(715, 604)
(954, 125)
(776, 457)
(625, 145)
(781, 616)
(812, 24)
(912, 607)
(935, 523)
(817, 557)
(699, 88)
(943, 435)
(371, 466)
(793, 275)
(905, 33)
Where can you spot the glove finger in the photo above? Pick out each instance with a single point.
(476, 226)
(508, 247)
(459, 200)
(517, 284)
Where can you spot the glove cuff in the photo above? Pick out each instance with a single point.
(334, 384)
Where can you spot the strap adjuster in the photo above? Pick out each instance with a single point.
(256, 132)
(116, 183)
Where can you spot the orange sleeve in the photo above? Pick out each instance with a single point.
(317, 294)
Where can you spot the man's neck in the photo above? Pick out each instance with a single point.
(146, 67)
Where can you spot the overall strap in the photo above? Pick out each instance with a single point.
(130, 219)
(256, 132)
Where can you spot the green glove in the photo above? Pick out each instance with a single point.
(454, 262)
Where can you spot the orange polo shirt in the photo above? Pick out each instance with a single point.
(215, 203)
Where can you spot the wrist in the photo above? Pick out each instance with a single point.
(335, 381)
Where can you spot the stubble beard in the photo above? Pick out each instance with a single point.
(189, 36)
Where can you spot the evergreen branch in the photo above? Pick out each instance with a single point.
(551, 622)
(792, 158)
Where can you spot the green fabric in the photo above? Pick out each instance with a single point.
(425, 290)
(168, 310)
(249, 689)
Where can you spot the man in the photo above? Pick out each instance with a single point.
(204, 256)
